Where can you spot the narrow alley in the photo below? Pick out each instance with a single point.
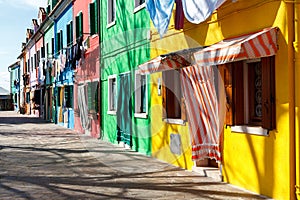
(40, 160)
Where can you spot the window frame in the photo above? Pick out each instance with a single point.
(138, 6)
(111, 13)
(166, 92)
(110, 110)
(238, 97)
(138, 113)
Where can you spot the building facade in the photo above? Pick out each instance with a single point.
(86, 66)
(14, 70)
(124, 45)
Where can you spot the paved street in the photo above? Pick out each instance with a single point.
(40, 160)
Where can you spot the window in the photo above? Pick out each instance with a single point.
(32, 64)
(70, 33)
(141, 96)
(52, 46)
(138, 5)
(38, 56)
(59, 41)
(27, 97)
(250, 93)
(93, 96)
(112, 94)
(47, 49)
(173, 103)
(69, 96)
(111, 12)
(60, 96)
(93, 18)
(79, 25)
(35, 61)
(42, 52)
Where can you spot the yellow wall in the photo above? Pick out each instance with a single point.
(257, 163)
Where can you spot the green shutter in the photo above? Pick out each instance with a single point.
(80, 24)
(93, 96)
(96, 17)
(92, 18)
(68, 34)
(69, 96)
(71, 32)
(61, 40)
(90, 96)
(77, 22)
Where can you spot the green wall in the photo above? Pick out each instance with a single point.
(123, 47)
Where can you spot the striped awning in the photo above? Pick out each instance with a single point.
(250, 46)
(174, 60)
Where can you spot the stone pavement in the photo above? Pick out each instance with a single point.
(40, 160)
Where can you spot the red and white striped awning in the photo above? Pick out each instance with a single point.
(250, 46)
(174, 60)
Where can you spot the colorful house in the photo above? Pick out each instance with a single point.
(86, 66)
(63, 86)
(14, 70)
(243, 78)
(123, 93)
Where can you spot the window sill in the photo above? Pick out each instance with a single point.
(112, 112)
(138, 8)
(111, 24)
(250, 130)
(141, 115)
(175, 121)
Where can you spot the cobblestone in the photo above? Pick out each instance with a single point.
(40, 160)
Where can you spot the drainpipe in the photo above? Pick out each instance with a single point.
(291, 79)
(297, 64)
(100, 66)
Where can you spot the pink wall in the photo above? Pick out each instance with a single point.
(88, 69)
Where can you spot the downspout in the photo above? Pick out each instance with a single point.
(100, 66)
(291, 91)
(297, 64)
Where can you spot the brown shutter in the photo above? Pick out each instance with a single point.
(238, 93)
(225, 72)
(164, 97)
(268, 93)
(183, 109)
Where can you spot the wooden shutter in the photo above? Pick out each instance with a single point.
(80, 24)
(71, 32)
(96, 17)
(77, 26)
(268, 93)
(232, 75)
(92, 18)
(226, 74)
(183, 109)
(68, 34)
(61, 40)
(164, 97)
(238, 93)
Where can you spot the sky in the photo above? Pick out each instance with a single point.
(15, 18)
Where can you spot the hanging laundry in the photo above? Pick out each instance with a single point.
(179, 15)
(160, 14)
(197, 11)
(62, 58)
